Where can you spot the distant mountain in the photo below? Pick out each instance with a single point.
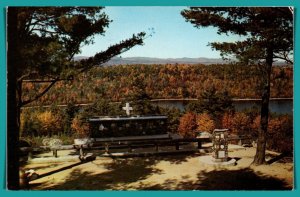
(151, 60)
(77, 58)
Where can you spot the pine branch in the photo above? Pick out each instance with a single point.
(111, 52)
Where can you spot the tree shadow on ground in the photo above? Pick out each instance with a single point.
(176, 158)
(118, 174)
(173, 158)
(40, 166)
(282, 158)
(242, 179)
(120, 171)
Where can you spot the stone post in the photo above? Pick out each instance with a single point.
(220, 145)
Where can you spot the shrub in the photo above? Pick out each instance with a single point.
(49, 123)
(39, 122)
(240, 124)
(205, 123)
(227, 120)
(29, 123)
(188, 125)
(280, 132)
(79, 126)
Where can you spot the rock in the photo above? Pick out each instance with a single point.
(83, 141)
(87, 157)
(52, 142)
(31, 175)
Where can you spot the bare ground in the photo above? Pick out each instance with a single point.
(171, 172)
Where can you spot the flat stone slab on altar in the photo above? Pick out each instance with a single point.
(207, 159)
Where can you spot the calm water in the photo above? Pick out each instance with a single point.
(275, 106)
(284, 106)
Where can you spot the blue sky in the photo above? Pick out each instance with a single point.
(173, 37)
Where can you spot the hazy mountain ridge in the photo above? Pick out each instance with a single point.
(151, 60)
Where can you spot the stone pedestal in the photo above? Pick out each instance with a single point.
(220, 145)
(209, 161)
(219, 155)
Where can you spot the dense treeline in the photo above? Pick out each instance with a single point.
(247, 124)
(71, 122)
(213, 85)
(117, 83)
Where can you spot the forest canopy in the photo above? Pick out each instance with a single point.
(117, 83)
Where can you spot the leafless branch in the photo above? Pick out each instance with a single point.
(284, 56)
(40, 94)
(44, 30)
(20, 79)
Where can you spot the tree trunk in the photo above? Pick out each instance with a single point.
(259, 158)
(13, 110)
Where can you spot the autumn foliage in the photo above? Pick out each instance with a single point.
(140, 83)
(280, 132)
(49, 122)
(205, 123)
(188, 125)
(240, 123)
(280, 129)
(80, 127)
(115, 83)
(227, 120)
(41, 123)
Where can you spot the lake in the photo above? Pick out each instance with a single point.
(277, 105)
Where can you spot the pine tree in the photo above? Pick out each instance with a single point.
(42, 42)
(268, 33)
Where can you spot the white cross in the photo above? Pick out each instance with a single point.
(127, 108)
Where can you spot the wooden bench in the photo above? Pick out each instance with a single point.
(137, 141)
(129, 142)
